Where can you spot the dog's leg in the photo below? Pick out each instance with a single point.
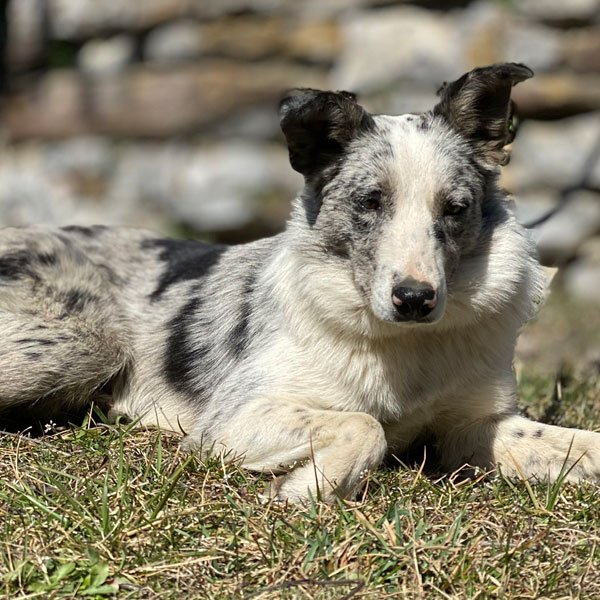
(325, 453)
(522, 448)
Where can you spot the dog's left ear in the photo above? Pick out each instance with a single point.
(479, 107)
(319, 125)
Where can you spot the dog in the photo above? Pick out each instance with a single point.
(388, 308)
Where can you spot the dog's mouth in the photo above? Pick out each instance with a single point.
(414, 322)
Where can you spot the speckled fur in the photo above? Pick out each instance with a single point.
(288, 351)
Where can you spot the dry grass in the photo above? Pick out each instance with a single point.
(110, 511)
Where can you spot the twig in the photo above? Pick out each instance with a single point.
(567, 192)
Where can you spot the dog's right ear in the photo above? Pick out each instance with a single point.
(318, 126)
(478, 105)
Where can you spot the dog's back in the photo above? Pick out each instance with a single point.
(89, 309)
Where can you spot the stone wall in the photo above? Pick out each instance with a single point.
(161, 113)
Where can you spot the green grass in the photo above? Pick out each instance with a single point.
(100, 512)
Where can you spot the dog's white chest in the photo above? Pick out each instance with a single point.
(390, 381)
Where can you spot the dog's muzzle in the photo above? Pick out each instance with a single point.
(414, 303)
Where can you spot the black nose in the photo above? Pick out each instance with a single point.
(414, 303)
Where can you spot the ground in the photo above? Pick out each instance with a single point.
(100, 512)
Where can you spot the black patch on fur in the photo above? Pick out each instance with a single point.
(66, 240)
(185, 260)
(183, 357)
(312, 206)
(438, 232)
(86, 231)
(519, 433)
(76, 300)
(239, 336)
(539, 433)
(312, 195)
(483, 172)
(41, 342)
(110, 274)
(17, 264)
(46, 259)
(423, 124)
(22, 263)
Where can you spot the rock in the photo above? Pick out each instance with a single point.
(481, 29)
(209, 188)
(212, 9)
(179, 40)
(537, 46)
(52, 107)
(558, 95)
(581, 49)
(306, 10)
(327, 9)
(590, 252)
(250, 37)
(253, 37)
(552, 154)
(106, 57)
(532, 206)
(141, 180)
(402, 98)
(559, 10)
(26, 195)
(491, 33)
(150, 101)
(257, 122)
(86, 156)
(54, 185)
(559, 238)
(582, 278)
(79, 19)
(25, 20)
(316, 41)
(383, 47)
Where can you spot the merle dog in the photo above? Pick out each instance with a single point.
(389, 307)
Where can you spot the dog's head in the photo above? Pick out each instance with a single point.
(403, 201)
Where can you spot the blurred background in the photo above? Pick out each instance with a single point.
(162, 114)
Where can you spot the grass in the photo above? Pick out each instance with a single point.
(100, 512)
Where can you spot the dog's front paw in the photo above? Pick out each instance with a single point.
(582, 457)
(538, 451)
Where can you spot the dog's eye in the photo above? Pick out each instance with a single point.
(453, 209)
(370, 201)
